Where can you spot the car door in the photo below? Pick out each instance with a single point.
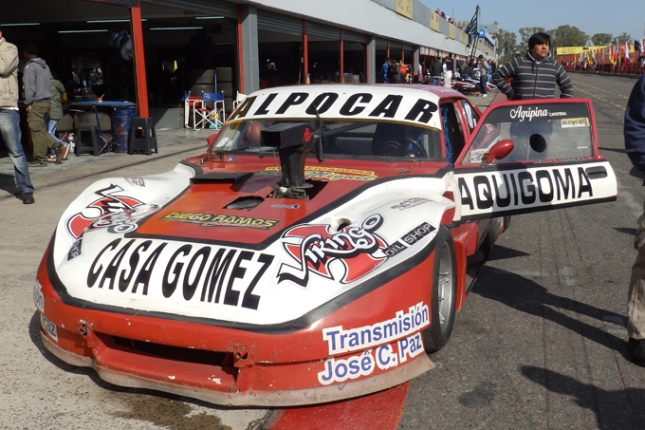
(526, 156)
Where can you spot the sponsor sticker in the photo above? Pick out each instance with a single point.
(574, 122)
(522, 113)
(76, 249)
(383, 357)
(409, 239)
(39, 298)
(136, 182)
(194, 273)
(515, 189)
(225, 142)
(357, 249)
(376, 105)
(110, 202)
(340, 340)
(221, 220)
(285, 206)
(477, 155)
(50, 327)
(344, 256)
(330, 173)
(410, 203)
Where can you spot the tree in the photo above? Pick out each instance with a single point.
(623, 38)
(565, 35)
(601, 39)
(526, 33)
(506, 44)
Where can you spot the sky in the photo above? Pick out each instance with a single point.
(590, 16)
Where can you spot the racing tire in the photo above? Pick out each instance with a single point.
(202, 77)
(198, 89)
(444, 293)
(226, 88)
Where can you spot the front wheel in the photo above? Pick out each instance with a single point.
(444, 293)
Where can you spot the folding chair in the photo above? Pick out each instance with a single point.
(211, 113)
(190, 104)
(239, 99)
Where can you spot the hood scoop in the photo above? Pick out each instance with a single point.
(245, 203)
(236, 178)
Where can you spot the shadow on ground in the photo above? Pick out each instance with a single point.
(619, 409)
(523, 294)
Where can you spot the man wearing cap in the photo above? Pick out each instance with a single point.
(10, 119)
(37, 82)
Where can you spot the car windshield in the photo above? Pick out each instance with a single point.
(341, 139)
(557, 131)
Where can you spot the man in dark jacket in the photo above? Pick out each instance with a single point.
(36, 81)
(634, 130)
(436, 69)
(535, 75)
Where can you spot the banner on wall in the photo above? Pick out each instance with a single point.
(404, 7)
(434, 20)
(576, 49)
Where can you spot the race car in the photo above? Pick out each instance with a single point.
(469, 85)
(317, 251)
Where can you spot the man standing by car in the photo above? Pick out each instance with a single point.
(634, 131)
(385, 69)
(436, 69)
(10, 119)
(37, 81)
(483, 76)
(534, 75)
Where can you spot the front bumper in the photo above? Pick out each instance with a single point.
(111, 367)
(233, 367)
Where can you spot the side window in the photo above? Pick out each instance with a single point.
(472, 117)
(547, 131)
(452, 132)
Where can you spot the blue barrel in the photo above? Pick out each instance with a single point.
(121, 122)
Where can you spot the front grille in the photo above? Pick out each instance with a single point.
(185, 355)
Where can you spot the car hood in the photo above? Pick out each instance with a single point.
(170, 246)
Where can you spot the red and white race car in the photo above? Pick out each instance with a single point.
(318, 250)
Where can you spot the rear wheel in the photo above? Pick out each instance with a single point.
(444, 293)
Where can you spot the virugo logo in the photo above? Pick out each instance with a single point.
(359, 250)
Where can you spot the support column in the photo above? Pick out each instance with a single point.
(247, 49)
(139, 61)
(371, 63)
(341, 77)
(305, 53)
(415, 63)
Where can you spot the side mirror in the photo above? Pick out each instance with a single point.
(500, 150)
(210, 139)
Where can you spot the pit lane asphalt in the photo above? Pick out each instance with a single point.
(541, 340)
(539, 343)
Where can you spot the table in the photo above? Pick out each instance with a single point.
(122, 136)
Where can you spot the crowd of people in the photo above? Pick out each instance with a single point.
(444, 16)
(438, 71)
